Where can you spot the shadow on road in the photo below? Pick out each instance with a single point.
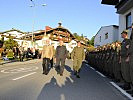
(90, 86)
(66, 87)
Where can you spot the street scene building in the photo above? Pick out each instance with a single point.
(54, 34)
(125, 10)
(69, 61)
(106, 35)
(17, 35)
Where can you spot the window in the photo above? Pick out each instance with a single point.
(106, 36)
(128, 21)
(100, 38)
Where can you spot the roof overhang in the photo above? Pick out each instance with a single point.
(110, 2)
(125, 6)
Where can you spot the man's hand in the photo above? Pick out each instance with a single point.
(55, 60)
(127, 59)
(127, 46)
(120, 60)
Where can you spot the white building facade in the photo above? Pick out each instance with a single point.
(105, 35)
(16, 34)
(125, 11)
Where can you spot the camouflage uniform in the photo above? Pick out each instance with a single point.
(125, 67)
(117, 65)
(131, 57)
(77, 55)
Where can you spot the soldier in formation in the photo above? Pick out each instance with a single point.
(116, 61)
(131, 60)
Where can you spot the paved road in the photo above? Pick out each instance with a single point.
(24, 81)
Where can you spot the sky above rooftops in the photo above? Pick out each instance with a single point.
(78, 16)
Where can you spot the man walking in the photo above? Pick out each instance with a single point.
(60, 56)
(77, 56)
(47, 55)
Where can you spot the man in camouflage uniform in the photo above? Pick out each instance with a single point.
(77, 56)
(131, 59)
(111, 62)
(117, 64)
(107, 63)
(124, 59)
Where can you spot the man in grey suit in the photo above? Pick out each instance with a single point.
(60, 56)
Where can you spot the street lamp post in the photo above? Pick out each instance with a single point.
(33, 6)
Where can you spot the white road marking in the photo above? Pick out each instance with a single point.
(100, 74)
(23, 76)
(18, 70)
(122, 91)
(92, 68)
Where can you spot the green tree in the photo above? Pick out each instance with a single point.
(91, 42)
(77, 36)
(10, 43)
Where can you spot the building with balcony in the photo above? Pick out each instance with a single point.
(54, 34)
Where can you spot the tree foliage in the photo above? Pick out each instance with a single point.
(10, 43)
(1, 41)
(77, 36)
(80, 38)
(91, 42)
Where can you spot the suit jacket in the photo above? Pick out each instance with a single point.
(61, 52)
(47, 52)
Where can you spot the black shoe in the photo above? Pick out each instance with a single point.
(126, 87)
(75, 73)
(45, 73)
(116, 80)
(61, 74)
(78, 76)
(130, 91)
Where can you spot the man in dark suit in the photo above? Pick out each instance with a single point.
(60, 56)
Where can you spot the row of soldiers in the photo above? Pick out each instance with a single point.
(116, 61)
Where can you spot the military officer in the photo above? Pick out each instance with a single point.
(117, 65)
(77, 56)
(131, 59)
(124, 59)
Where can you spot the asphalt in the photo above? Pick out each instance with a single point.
(25, 81)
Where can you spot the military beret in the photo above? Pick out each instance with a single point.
(124, 32)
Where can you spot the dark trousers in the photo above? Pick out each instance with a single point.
(45, 65)
(59, 67)
(21, 57)
(51, 61)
